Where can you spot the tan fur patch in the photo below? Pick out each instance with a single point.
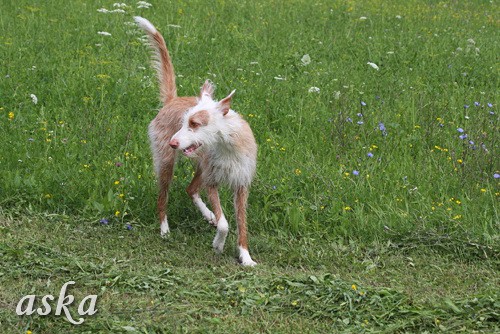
(198, 119)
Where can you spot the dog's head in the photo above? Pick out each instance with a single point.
(204, 124)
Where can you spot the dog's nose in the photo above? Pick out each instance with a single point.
(174, 143)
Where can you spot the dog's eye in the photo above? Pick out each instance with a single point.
(194, 124)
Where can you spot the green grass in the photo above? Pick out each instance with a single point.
(416, 231)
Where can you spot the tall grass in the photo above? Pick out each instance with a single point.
(371, 151)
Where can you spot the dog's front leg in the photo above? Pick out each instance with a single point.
(240, 204)
(221, 222)
(193, 191)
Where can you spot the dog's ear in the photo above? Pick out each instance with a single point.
(225, 103)
(207, 89)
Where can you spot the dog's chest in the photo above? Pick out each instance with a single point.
(232, 169)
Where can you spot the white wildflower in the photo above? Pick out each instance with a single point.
(362, 18)
(143, 40)
(254, 63)
(120, 5)
(173, 25)
(279, 78)
(336, 95)
(34, 99)
(373, 65)
(398, 17)
(314, 90)
(306, 60)
(104, 33)
(143, 4)
(471, 41)
(107, 11)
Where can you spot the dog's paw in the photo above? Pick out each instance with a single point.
(164, 229)
(245, 259)
(212, 220)
(247, 262)
(218, 247)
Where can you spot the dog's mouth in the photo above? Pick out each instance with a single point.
(190, 149)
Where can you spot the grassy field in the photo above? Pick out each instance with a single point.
(375, 205)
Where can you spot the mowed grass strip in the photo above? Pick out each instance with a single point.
(180, 285)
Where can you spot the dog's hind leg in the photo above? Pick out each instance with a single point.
(193, 191)
(221, 222)
(165, 174)
(240, 204)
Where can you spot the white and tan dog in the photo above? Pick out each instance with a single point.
(213, 135)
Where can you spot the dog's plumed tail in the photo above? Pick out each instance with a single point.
(161, 60)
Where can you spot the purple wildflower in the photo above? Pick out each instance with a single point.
(355, 172)
(128, 226)
(466, 106)
(370, 155)
(463, 136)
(477, 104)
(460, 130)
(382, 128)
(363, 103)
(496, 176)
(492, 113)
(349, 119)
(490, 105)
(360, 122)
(359, 114)
(104, 221)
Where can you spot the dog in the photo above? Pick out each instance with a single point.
(209, 132)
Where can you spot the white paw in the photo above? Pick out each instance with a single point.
(248, 263)
(211, 219)
(245, 259)
(218, 245)
(164, 229)
(220, 236)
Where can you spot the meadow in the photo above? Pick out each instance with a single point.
(375, 204)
